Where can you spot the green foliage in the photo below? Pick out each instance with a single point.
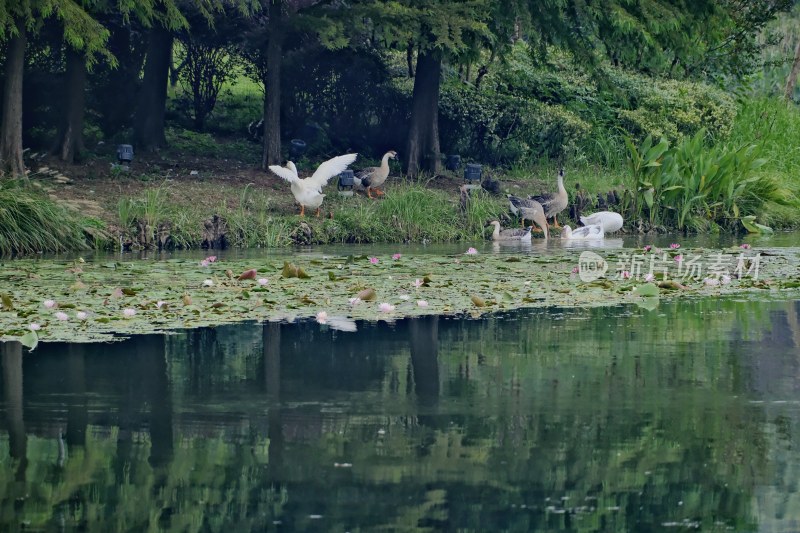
(613, 100)
(190, 143)
(30, 222)
(695, 185)
(500, 128)
(252, 224)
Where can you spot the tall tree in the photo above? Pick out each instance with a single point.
(170, 17)
(272, 84)
(148, 123)
(440, 31)
(17, 19)
(282, 22)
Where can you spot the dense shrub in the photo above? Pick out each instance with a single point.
(498, 128)
(617, 103)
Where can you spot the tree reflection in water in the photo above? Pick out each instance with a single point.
(602, 419)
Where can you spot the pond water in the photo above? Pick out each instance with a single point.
(603, 419)
(537, 246)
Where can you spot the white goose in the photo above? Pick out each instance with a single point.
(609, 220)
(594, 231)
(308, 191)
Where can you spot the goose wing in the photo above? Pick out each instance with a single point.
(517, 233)
(545, 199)
(518, 202)
(329, 169)
(286, 173)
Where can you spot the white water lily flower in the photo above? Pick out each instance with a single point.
(422, 303)
(725, 279)
(322, 317)
(263, 281)
(128, 313)
(405, 297)
(82, 315)
(386, 307)
(208, 283)
(354, 301)
(160, 303)
(62, 316)
(711, 282)
(34, 326)
(49, 304)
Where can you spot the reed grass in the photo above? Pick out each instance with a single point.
(31, 222)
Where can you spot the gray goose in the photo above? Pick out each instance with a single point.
(554, 202)
(528, 209)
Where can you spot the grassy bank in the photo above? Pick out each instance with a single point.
(169, 199)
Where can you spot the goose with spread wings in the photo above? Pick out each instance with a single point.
(308, 191)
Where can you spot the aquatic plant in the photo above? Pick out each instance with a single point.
(146, 296)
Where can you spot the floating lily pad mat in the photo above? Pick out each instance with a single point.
(78, 301)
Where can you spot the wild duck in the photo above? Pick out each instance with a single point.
(515, 234)
(308, 191)
(610, 221)
(554, 202)
(371, 178)
(528, 209)
(585, 232)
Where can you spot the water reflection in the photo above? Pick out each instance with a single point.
(538, 245)
(602, 419)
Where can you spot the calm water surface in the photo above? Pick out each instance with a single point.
(615, 419)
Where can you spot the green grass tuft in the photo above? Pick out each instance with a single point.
(30, 222)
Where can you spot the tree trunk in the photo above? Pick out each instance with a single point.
(791, 81)
(272, 85)
(149, 120)
(410, 59)
(11, 118)
(422, 147)
(69, 142)
(119, 86)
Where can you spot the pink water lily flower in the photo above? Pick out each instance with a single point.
(263, 281)
(386, 308)
(397, 256)
(575, 270)
(626, 274)
(471, 251)
(211, 258)
(418, 283)
(674, 245)
(649, 277)
(322, 317)
(422, 303)
(62, 316)
(205, 263)
(81, 315)
(648, 248)
(725, 279)
(679, 258)
(128, 313)
(354, 301)
(373, 260)
(49, 304)
(745, 246)
(34, 326)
